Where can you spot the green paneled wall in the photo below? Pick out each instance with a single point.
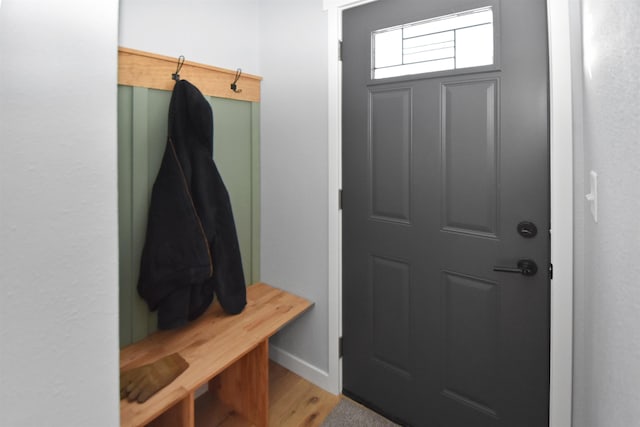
(142, 132)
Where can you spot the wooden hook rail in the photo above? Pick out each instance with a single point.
(150, 70)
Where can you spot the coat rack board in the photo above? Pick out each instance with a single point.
(150, 70)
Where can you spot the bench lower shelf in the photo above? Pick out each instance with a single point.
(212, 412)
(242, 389)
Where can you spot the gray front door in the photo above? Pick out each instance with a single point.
(445, 181)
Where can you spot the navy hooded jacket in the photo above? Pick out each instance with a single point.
(191, 249)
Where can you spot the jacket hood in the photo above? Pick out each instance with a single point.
(190, 117)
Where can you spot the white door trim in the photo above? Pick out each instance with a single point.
(561, 146)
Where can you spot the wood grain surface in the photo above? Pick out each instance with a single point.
(210, 345)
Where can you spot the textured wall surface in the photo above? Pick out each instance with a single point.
(607, 328)
(58, 214)
(293, 62)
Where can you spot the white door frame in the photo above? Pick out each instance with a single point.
(561, 147)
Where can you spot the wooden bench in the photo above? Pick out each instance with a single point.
(229, 353)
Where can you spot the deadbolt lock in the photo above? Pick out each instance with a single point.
(527, 229)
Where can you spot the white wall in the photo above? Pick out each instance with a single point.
(607, 340)
(58, 213)
(294, 132)
(222, 33)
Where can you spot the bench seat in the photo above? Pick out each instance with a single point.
(229, 353)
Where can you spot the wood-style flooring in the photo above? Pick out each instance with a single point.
(293, 402)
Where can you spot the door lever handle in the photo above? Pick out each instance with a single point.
(526, 267)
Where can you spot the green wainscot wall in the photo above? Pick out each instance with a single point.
(142, 132)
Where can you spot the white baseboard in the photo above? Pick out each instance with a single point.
(294, 364)
(304, 369)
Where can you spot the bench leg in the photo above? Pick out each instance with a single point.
(179, 415)
(245, 385)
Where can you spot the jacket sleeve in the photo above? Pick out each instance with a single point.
(230, 285)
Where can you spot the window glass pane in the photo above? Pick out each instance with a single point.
(429, 55)
(388, 48)
(449, 22)
(430, 47)
(417, 68)
(474, 46)
(449, 42)
(429, 39)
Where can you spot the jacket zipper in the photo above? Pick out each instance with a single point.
(193, 206)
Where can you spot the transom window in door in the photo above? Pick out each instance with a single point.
(449, 42)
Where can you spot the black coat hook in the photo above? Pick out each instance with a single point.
(234, 86)
(176, 76)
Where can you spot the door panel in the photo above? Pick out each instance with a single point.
(391, 154)
(391, 323)
(469, 156)
(470, 328)
(438, 170)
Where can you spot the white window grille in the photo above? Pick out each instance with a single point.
(449, 42)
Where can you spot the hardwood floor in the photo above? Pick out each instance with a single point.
(293, 402)
(296, 402)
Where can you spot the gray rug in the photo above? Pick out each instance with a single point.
(350, 413)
